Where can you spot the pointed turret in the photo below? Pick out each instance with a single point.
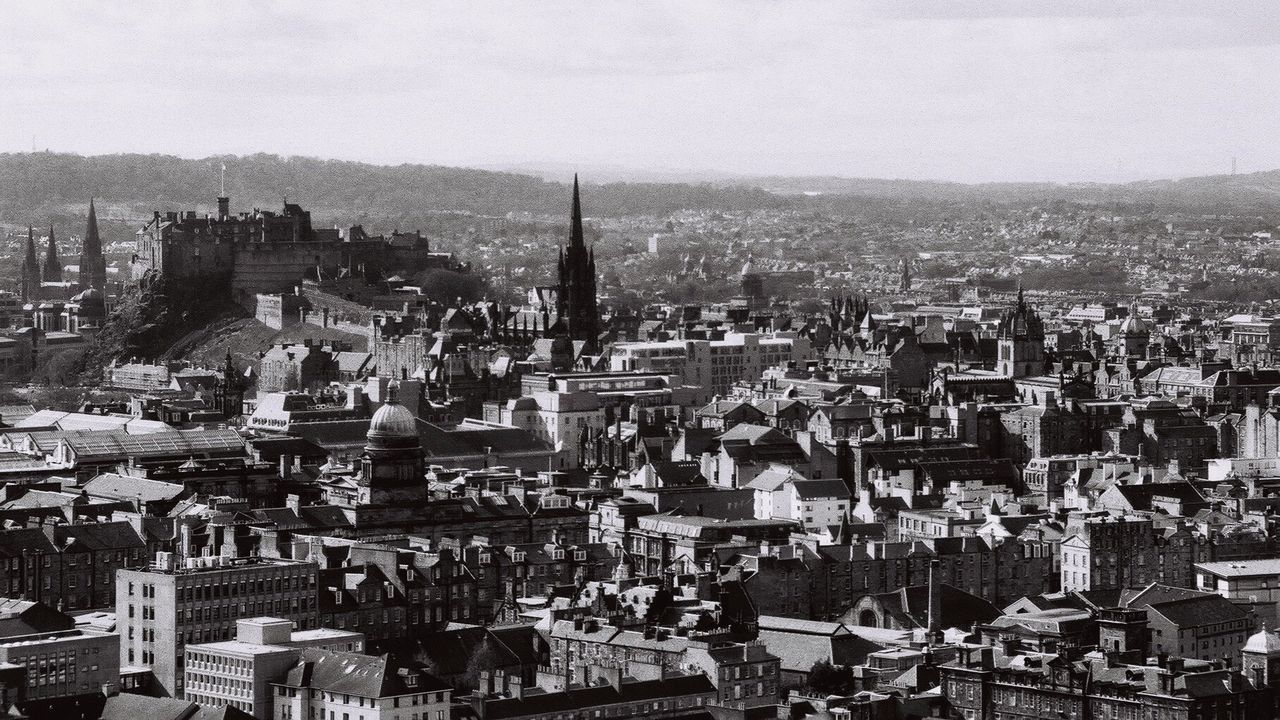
(93, 266)
(52, 271)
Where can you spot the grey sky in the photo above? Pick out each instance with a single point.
(947, 90)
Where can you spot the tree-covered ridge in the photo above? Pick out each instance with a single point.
(31, 184)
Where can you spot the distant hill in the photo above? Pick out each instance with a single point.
(34, 186)
(1260, 190)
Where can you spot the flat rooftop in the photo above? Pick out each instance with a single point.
(1241, 568)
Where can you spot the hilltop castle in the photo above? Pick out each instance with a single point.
(239, 256)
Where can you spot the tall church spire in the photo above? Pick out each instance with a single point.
(30, 269)
(52, 271)
(576, 303)
(576, 239)
(93, 266)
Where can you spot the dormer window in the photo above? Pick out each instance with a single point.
(484, 558)
(557, 554)
(579, 555)
(519, 556)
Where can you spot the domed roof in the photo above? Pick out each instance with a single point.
(1263, 642)
(92, 294)
(1134, 324)
(393, 419)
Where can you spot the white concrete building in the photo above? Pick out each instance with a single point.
(238, 673)
(714, 364)
(557, 417)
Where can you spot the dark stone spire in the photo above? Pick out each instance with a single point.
(576, 303)
(93, 266)
(30, 269)
(52, 271)
(576, 239)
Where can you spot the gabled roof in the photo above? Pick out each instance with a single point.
(772, 478)
(810, 489)
(1139, 497)
(910, 607)
(1208, 609)
(757, 443)
(355, 674)
(684, 472)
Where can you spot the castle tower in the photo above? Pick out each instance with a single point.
(93, 266)
(30, 269)
(576, 304)
(52, 270)
(391, 470)
(1020, 341)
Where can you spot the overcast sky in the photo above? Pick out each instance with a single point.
(948, 90)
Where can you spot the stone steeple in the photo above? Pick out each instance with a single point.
(576, 302)
(93, 266)
(52, 270)
(30, 269)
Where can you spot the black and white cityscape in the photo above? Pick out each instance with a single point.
(710, 361)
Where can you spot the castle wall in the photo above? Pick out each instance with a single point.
(262, 267)
(330, 311)
(278, 311)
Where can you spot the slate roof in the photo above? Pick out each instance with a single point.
(578, 698)
(757, 443)
(907, 458)
(684, 472)
(910, 607)
(271, 448)
(88, 537)
(126, 487)
(27, 617)
(129, 706)
(354, 674)
(73, 421)
(809, 489)
(1139, 496)
(772, 478)
(1198, 611)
